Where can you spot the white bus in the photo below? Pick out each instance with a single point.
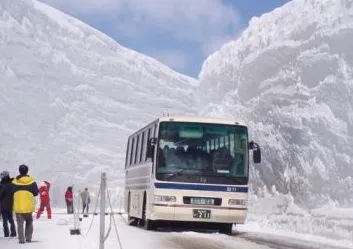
(188, 170)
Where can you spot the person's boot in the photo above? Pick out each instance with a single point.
(13, 231)
(49, 213)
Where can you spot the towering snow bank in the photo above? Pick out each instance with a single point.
(69, 95)
(290, 76)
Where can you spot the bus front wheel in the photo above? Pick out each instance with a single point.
(147, 223)
(150, 225)
(226, 228)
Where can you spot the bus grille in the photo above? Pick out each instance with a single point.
(196, 200)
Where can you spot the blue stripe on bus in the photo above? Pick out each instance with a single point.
(201, 187)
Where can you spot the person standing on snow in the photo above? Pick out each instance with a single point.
(44, 199)
(6, 202)
(25, 189)
(86, 200)
(69, 199)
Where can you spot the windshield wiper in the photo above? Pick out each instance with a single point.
(178, 173)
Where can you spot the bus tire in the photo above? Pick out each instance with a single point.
(146, 223)
(150, 225)
(226, 228)
(131, 221)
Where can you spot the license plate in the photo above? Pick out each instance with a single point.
(202, 201)
(201, 213)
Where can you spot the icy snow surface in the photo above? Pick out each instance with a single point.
(246, 236)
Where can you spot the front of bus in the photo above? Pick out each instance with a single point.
(201, 171)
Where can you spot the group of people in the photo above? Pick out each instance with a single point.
(17, 195)
(85, 199)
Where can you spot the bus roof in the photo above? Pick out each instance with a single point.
(197, 119)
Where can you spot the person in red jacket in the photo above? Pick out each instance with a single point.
(69, 199)
(44, 199)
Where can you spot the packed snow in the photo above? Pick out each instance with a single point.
(70, 95)
(119, 233)
(289, 75)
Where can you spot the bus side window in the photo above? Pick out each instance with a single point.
(137, 149)
(142, 145)
(147, 140)
(155, 130)
(132, 150)
(127, 154)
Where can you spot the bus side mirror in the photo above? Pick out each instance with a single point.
(257, 155)
(150, 147)
(256, 151)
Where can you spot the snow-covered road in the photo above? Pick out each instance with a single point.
(55, 234)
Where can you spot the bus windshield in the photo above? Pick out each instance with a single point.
(202, 153)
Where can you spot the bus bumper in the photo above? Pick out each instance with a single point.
(185, 213)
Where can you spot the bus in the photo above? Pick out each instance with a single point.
(191, 170)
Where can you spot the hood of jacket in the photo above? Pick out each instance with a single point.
(23, 180)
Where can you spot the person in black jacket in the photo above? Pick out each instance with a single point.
(6, 200)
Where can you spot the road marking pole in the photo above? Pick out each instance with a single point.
(102, 210)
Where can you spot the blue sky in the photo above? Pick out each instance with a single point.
(179, 33)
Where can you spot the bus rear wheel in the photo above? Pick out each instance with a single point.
(226, 228)
(131, 221)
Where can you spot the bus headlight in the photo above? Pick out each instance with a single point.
(238, 202)
(164, 198)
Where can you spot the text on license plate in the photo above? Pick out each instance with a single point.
(201, 213)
